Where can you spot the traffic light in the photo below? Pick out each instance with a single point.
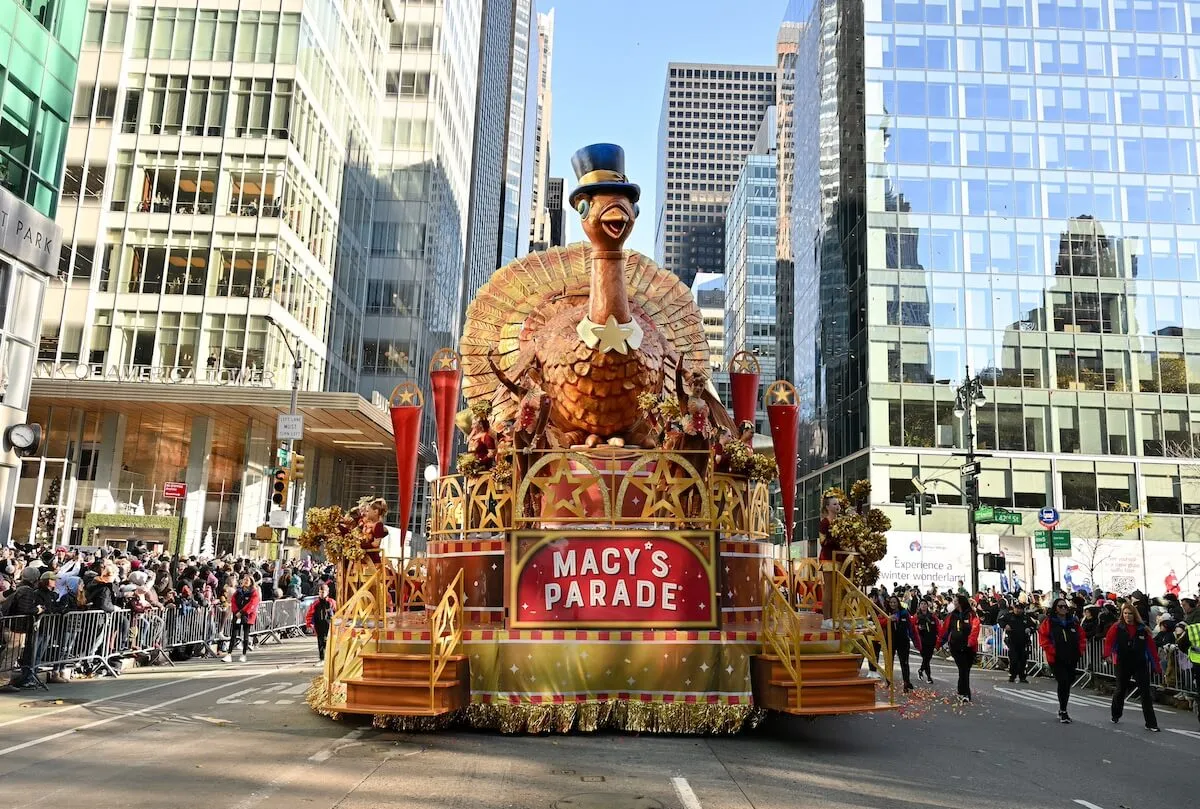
(910, 504)
(279, 489)
(926, 504)
(971, 490)
(297, 466)
(994, 563)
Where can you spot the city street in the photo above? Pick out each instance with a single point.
(205, 734)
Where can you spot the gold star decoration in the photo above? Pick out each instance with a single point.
(406, 393)
(780, 392)
(612, 336)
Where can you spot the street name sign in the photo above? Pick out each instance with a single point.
(1005, 517)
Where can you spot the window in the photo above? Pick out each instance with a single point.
(82, 109)
(106, 103)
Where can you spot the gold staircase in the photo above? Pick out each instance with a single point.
(808, 671)
(431, 683)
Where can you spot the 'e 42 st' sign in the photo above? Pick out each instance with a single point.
(613, 579)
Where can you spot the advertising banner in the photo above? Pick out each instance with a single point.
(924, 558)
(613, 579)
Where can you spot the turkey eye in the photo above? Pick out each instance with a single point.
(636, 210)
(583, 206)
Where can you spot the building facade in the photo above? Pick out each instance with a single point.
(708, 290)
(750, 236)
(1009, 188)
(248, 187)
(707, 126)
(502, 175)
(541, 212)
(39, 52)
(786, 46)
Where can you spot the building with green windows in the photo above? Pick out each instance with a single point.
(39, 55)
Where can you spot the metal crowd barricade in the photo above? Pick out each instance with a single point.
(100, 639)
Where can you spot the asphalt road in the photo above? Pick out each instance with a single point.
(239, 736)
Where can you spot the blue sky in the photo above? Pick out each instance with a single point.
(610, 65)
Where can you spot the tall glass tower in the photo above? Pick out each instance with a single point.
(1009, 187)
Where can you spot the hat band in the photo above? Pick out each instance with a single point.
(602, 176)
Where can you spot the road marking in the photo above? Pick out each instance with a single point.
(1193, 734)
(325, 753)
(1087, 804)
(684, 790)
(42, 740)
(93, 702)
(236, 696)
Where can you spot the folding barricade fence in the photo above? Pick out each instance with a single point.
(94, 639)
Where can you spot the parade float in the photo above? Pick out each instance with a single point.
(601, 555)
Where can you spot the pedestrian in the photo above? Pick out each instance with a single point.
(1191, 640)
(1018, 628)
(244, 606)
(1131, 648)
(927, 634)
(320, 615)
(1062, 638)
(904, 637)
(960, 633)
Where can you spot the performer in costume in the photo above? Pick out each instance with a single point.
(373, 528)
(831, 507)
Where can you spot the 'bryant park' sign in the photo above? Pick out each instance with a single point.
(613, 579)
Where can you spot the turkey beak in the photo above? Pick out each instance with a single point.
(616, 220)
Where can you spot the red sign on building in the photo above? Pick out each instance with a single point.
(175, 491)
(613, 579)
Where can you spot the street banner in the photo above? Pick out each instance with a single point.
(406, 403)
(783, 413)
(600, 579)
(445, 375)
(744, 371)
(923, 558)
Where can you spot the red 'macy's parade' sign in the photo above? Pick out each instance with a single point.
(617, 579)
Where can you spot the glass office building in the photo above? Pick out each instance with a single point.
(750, 235)
(39, 52)
(1008, 186)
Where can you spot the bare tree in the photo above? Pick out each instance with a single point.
(1116, 522)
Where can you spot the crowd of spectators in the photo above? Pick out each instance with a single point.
(36, 581)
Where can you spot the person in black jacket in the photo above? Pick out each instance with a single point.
(33, 599)
(928, 627)
(1018, 629)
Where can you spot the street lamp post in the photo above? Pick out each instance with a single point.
(968, 395)
(295, 392)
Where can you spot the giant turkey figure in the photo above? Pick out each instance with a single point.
(591, 325)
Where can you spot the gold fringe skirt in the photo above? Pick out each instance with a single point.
(631, 716)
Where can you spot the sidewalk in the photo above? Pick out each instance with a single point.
(17, 706)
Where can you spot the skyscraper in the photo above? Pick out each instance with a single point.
(1017, 197)
(542, 214)
(505, 138)
(249, 190)
(750, 235)
(38, 60)
(709, 118)
(786, 45)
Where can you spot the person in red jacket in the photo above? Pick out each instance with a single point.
(244, 606)
(1130, 646)
(1062, 638)
(960, 632)
(320, 616)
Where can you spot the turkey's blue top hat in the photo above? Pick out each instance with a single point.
(601, 167)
